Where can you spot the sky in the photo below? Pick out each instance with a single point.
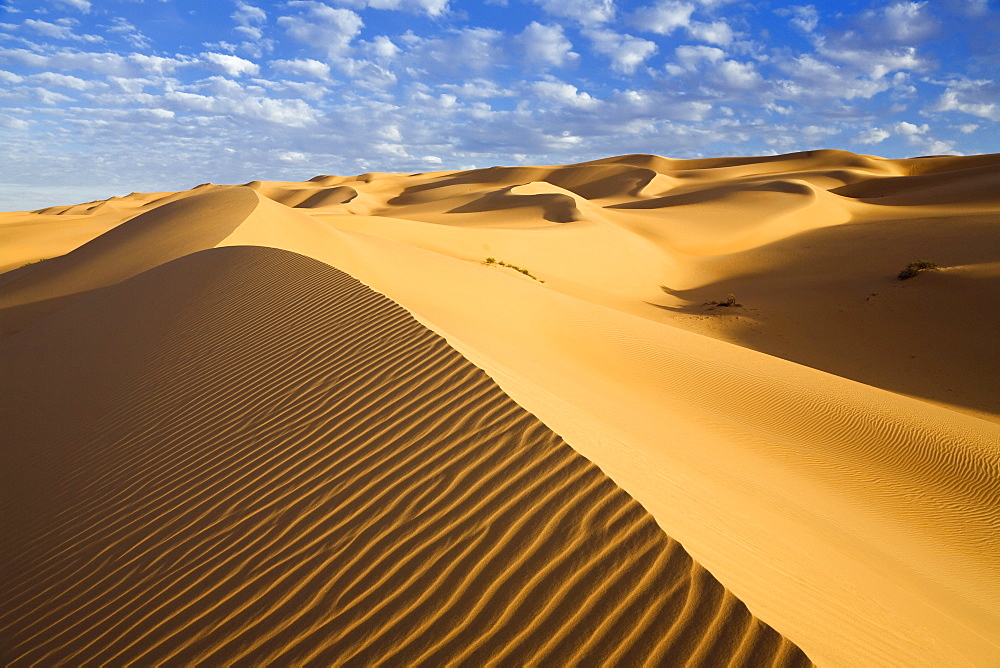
(105, 97)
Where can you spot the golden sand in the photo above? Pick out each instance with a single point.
(220, 447)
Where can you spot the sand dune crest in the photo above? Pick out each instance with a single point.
(343, 488)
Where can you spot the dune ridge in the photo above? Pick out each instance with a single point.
(828, 449)
(346, 489)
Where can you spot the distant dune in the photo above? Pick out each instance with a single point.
(316, 422)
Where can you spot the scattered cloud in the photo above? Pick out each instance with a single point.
(586, 12)
(128, 32)
(905, 22)
(60, 80)
(234, 66)
(62, 29)
(974, 97)
(716, 32)
(382, 48)
(78, 5)
(357, 85)
(326, 29)
(737, 75)
(664, 17)
(303, 67)
(563, 93)
(625, 51)
(429, 7)
(871, 136)
(457, 54)
(545, 44)
(803, 17)
(249, 20)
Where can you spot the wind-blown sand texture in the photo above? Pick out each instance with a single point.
(219, 447)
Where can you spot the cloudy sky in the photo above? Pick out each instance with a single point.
(102, 97)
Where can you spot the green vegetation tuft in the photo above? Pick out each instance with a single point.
(501, 263)
(915, 268)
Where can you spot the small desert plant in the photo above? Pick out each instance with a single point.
(501, 263)
(729, 302)
(915, 268)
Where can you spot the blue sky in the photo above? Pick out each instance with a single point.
(102, 97)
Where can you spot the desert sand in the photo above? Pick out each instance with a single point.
(332, 422)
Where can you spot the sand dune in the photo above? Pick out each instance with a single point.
(344, 488)
(225, 449)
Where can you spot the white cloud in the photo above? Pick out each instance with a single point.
(716, 32)
(49, 97)
(664, 17)
(477, 89)
(238, 103)
(967, 128)
(12, 123)
(561, 92)
(876, 62)
(803, 17)
(463, 52)
(78, 5)
(546, 44)
(129, 32)
(322, 27)
(700, 65)
(367, 74)
(587, 12)
(248, 15)
(382, 48)
(61, 29)
(973, 97)
(62, 80)
(99, 63)
(626, 52)
(249, 20)
(910, 129)
(10, 77)
(390, 132)
(906, 21)
(741, 76)
(234, 66)
(919, 135)
(691, 57)
(305, 66)
(871, 136)
(291, 156)
(815, 78)
(157, 64)
(937, 147)
(429, 7)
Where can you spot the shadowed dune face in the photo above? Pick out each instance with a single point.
(159, 235)
(977, 184)
(251, 458)
(553, 207)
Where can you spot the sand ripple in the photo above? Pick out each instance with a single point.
(260, 460)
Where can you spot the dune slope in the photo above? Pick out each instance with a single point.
(826, 444)
(244, 456)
